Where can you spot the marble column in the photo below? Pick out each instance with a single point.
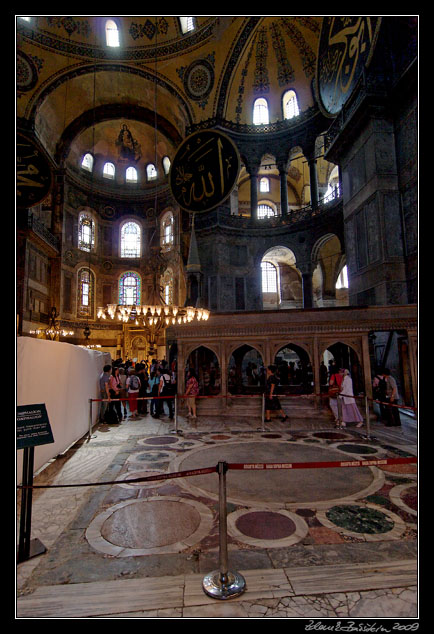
(314, 198)
(307, 288)
(253, 172)
(283, 189)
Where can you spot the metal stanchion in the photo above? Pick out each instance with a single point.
(223, 584)
(368, 419)
(176, 430)
(263, 412)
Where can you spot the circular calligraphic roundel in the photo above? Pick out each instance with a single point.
(346, 47)
(204, 171)
(34, 176)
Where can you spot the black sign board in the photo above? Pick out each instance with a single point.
(33, 426)
(345, 48)
(34, 175)
(204, 171)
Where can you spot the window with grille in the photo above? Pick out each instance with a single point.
(265, 211)
(130, 240)
(111, 33)
(167, 230)
(290, 105)
(151, 172)
(264, 185)
(109, 171)
(187, 24)
(129, 289)
(166, 165)
(87, 162)
(260, 111)
(86, 282)
(269, 277)
(131, 175)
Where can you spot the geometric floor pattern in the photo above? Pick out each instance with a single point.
(345, 536)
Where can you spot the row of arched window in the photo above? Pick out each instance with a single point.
(129, 290)
(131, 174)
(130, 235)
(269, 277)
(289, 108)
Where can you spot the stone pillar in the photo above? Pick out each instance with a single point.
(307, 286)
(253, 171)
(314, 198)
(283, 189)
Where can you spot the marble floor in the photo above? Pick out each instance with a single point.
(310, 543)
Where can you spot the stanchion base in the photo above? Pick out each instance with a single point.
(176, 431)
(215, 586)
(36, 548)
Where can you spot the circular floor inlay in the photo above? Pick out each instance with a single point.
(330, 435)
(271, 488)
(265, 525)
(359, 449)
(154, 525)
(159, 440)
(360, 519)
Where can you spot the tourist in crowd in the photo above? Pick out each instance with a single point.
(115, 408)
(272, 403)
(335, 383)
(350, 411)
(133, 387)
(142, 405)
(379, 388)
(154, 382)
(123, 390)
(191, 392)
(104, 392)
(392, 397)
(164, 389)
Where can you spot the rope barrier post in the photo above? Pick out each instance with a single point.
(90, 418)
(263, 411)
(223, 584)
(339, 410)
(28, 548)
(176, 430)
(368, 419)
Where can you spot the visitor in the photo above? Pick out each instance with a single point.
(272, 403)
(104, 392)
(379, 388)
(191, 391)
(335, 383)
(164, 389)
(133, 387)
(323, 374)
(392, 397)
(114, 389)
(350, 411)
(154, 382)
(123, 390)
(142, 405)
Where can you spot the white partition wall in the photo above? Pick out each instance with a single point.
(64, 377)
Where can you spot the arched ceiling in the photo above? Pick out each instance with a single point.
(72, 88)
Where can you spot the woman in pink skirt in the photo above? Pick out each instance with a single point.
(350, 411)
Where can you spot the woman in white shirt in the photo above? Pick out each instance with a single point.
(350, 411)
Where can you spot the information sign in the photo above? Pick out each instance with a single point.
(33, 426)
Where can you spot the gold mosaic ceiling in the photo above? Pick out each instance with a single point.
(69, 82)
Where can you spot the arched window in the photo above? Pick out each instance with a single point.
(264, 185)
(86, 232)
(269, 277)
(87, 162)
(290, 105)
(129, 289)
(342, 281)
(131, 175)
(265, 211)
(109, 171)
(111, 33)
(187, 24)
(86, 283)
(151, 172)
(260, 111)
(167, 231)
(130, 240)
(166, 164)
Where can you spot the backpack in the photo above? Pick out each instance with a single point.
(167, 387)
(134, 382)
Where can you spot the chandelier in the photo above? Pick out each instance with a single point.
(153, 317)
(54, 330)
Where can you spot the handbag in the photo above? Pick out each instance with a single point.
(333, 391)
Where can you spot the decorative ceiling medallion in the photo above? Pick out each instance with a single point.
(108, 212)
(27, 73)
(199, 79)
(204, 170)
(346, 47)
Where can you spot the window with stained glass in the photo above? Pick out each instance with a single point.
(130, 240)
(86, 283)
(129, 289)
(269, 277)
(86, 232)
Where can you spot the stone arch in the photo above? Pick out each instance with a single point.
(205, 361)
(289, 293)
(244, 375)
(346, 354)
(294, 366)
